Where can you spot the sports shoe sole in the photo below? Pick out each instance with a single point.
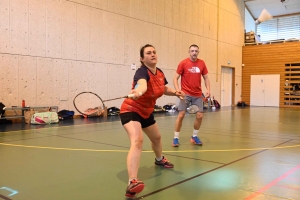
(165, 166)
(193, 142)
(137, 189)
(175, 145)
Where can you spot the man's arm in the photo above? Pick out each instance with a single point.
(207, 85)
(175, 81)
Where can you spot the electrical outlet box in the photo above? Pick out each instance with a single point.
(63, 98)
(133, 66)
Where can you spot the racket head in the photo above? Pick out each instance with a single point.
(88, 104)
(192, 109)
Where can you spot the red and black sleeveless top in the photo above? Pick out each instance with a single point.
(144, 106)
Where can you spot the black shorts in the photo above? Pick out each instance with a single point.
(132, 116)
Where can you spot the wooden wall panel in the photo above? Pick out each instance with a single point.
(37, 28)
(176, 14)
(206, 20)
(118, 42)
(171, 52)
(96, 35)
(83, 32)
(4, 26)
(9, 80)
(61, 84)
(182, 15)
(27, 80)
(129, 52)
(152, 13)
(200, 12)
(44, 84)
(53, 28)
(160, 16)
(195, 18)
(69, 28)
(268, 59)
(178, 49)
(168, 13)
(163, 54)
(19, 27)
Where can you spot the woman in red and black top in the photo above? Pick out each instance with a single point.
(149, 83)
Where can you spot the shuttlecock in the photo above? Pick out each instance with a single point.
(264, 16)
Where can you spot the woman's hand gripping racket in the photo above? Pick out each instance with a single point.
(89, 104)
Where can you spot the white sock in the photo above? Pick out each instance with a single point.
(176, 134)
(195, 133)
(159, 159)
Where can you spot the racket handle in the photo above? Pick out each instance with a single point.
(132, 95)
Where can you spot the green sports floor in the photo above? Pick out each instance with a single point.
(248, 153)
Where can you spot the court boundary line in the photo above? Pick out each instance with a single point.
(144, 151)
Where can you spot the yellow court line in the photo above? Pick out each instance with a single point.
(184, 151)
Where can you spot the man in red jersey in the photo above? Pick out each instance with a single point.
(190, 70)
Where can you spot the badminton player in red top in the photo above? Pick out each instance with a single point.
(191, 70)
(149, 83)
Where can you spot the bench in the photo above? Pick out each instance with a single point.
(23, 109)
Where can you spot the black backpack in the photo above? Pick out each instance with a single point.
(65, 114)
(2, 111)
(113, 111)
(241, 104)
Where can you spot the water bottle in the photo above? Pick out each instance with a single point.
(23, 103)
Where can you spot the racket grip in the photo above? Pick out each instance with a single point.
(130, 95)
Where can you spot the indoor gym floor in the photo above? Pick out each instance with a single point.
(249, 153)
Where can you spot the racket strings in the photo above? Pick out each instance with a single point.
(89, 104)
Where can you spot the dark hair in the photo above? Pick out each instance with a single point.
(143, 49)
(194, 45)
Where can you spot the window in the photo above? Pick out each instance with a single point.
(279, 28)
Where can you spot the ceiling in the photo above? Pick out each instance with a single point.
(277, 8)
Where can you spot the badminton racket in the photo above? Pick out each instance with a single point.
(90, 104)
(192, 109)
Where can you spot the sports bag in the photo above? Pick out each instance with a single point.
(44, 118)
(113, 111)
(93, 112)
(65, 114)
(2, 109)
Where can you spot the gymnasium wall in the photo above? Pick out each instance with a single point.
(277, 58)
(51, 50)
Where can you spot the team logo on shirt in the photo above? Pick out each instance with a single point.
(194, 70)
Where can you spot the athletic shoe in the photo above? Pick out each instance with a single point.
(195, 140)
(164, 162)
(134, 187)
(175, 142)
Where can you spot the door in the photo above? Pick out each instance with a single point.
(226, 87)
(272, 90)
(265, 90)
(257, 91)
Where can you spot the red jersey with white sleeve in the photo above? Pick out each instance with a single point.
(191, 73)
(144, 105)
